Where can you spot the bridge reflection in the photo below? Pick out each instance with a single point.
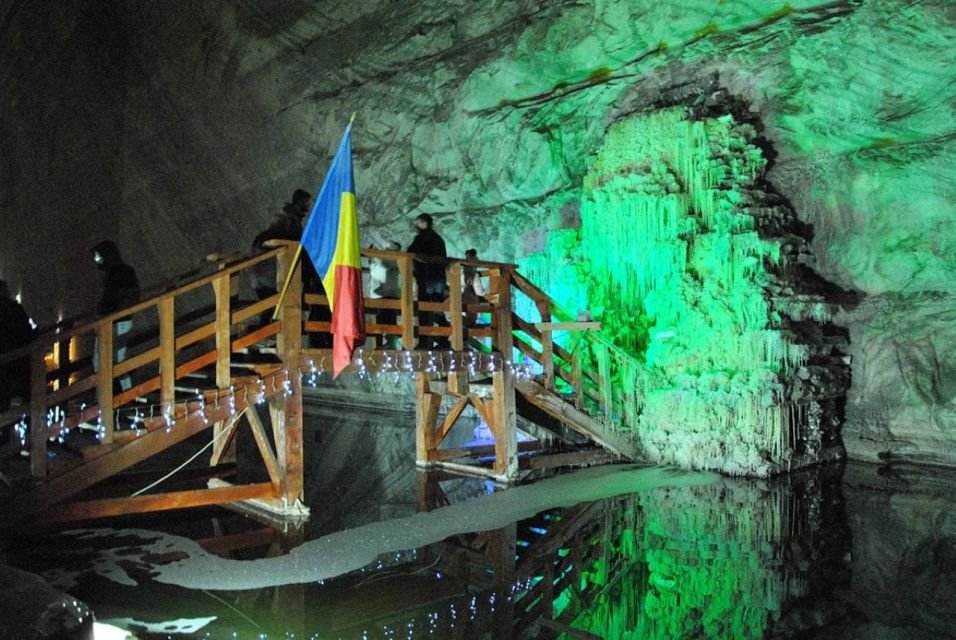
(733, 558)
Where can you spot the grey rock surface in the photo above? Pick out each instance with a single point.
(179, 129)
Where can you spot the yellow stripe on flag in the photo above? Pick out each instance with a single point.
(347, 250)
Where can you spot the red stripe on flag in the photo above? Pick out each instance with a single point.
(348, 317)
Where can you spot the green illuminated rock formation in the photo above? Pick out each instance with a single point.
(692, 272)
(179, 129)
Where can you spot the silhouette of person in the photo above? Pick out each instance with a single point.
(16, 331)
(384, 283)
(288, 226)
(429, 276)
(120, 290)
(472, 289)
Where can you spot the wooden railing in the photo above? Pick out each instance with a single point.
(199, 326)
(598, 376)
(173, 353)
(409, 328)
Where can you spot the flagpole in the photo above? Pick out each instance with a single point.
(288, 279)
(295, 259)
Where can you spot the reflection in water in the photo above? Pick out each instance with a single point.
(732, 558)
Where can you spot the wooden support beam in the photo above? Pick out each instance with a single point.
(289, 341)
(428, 491)
(604, 379)
(104, 378)
(572, 459)
(223, 449)
(617, 442)
(167, 353)
(109, 507)
(294, 466)
(450, 419)
(454, 307)
(286, 410)
(485, 408)
(253, 337)
(504, 425)
(408, 301)
(577, 381)
(38, 435)
(547, 343)
(456, 380)
(265, 448)
(503, 314)
(426, 415)
(501, 548)
(225, 444)
(547, 325)
(473, 452)
(254, 309)
(55, 489)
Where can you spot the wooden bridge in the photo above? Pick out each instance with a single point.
(203, 360)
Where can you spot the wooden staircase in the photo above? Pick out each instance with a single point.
(203, 362)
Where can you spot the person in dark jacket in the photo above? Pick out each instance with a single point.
(120, 290)
(288, 226)
(16, 331)
(429, 276)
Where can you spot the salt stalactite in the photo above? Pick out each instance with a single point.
(676, 267)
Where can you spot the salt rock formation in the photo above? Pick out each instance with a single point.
(179, 129)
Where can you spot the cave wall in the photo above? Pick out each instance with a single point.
(179, 130)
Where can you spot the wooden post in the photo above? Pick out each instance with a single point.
(38, 394)
(408, 302)
(167, 355)
(547, 588)
(223, 449)
(454, 306)
(502, 545)
(505, 425)
(426, 414)
(287, 421)
(547, 346)
(457, 381)
(289, 438)
(290, 328)
(578, 377)
(503, 338)
(104, 378)
(604, 375)
(547, 352)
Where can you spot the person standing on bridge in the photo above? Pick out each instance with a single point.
(288, 226)
(120, 290)
(429, 276)
(15, 331)
(472, 290)
(384, 283)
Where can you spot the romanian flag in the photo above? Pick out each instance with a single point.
(331, 238)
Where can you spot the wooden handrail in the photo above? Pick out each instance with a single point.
(229, 331)
(585, 382)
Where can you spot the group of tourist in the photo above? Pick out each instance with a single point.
(429, 273)
(120, 289)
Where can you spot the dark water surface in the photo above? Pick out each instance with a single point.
(854, 552)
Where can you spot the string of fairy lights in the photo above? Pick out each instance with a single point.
(367, 366)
